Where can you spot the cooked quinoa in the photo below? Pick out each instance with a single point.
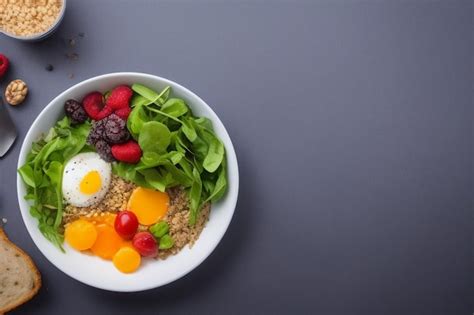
(177, 216)
(115, 200)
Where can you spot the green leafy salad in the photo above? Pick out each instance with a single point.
(161, 145)
(43, 170)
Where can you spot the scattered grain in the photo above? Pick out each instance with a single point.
(177, 218)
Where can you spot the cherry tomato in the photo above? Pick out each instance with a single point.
(126, 224)
(145, 244)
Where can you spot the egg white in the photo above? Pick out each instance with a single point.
(75, 170)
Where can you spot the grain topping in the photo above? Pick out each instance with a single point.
(28, 17)
(115, 200)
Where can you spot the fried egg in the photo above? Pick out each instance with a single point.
(86, 179)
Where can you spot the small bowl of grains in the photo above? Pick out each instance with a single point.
(30, 20)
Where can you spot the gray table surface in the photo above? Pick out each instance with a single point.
(352, 122)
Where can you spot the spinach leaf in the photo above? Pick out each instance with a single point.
(138, 100)
(55, 174)
(174, 107)
(149, 158)
(136, 119)
(145, 91)
(204, 123)
(154, 178)
(195, 197)
(220, 186)
(26, 173)
(42, 173)
(178, 149)
(163, 114)
(176, 157)
(178, 175)
(214, 155)
(189, 130)
(154, 137)
(150, 95)
(200, 148)
(163, 97)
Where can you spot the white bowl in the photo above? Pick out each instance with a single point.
(100, 273)
(43, 35)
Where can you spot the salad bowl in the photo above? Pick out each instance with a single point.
(95, 271)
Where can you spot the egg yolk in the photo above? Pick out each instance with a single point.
(108, 242)
(81, 234)
(90, 183)
(148, 205)
(127, 259)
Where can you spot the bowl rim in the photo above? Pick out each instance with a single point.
(230, 151)
(41, 35)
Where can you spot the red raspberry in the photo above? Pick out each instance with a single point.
(93, 104)
(120, 97)
(4, 63)
(123, 112)
(128, 152)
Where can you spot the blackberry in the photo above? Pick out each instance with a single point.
(75, 111)
(115, 129)
(104, 151)
(97, 132)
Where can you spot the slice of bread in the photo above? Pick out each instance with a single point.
(20, 280)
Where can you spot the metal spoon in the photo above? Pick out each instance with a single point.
(7, 130)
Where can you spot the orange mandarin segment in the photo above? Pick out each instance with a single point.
(103, 218)
(127, 260)
(108, 218)
(127, 244)
(148, 205)
(108, 242)
(81, 234)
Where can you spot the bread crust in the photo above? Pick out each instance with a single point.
(37, 275)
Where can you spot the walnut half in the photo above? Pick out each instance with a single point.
(15, 92)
